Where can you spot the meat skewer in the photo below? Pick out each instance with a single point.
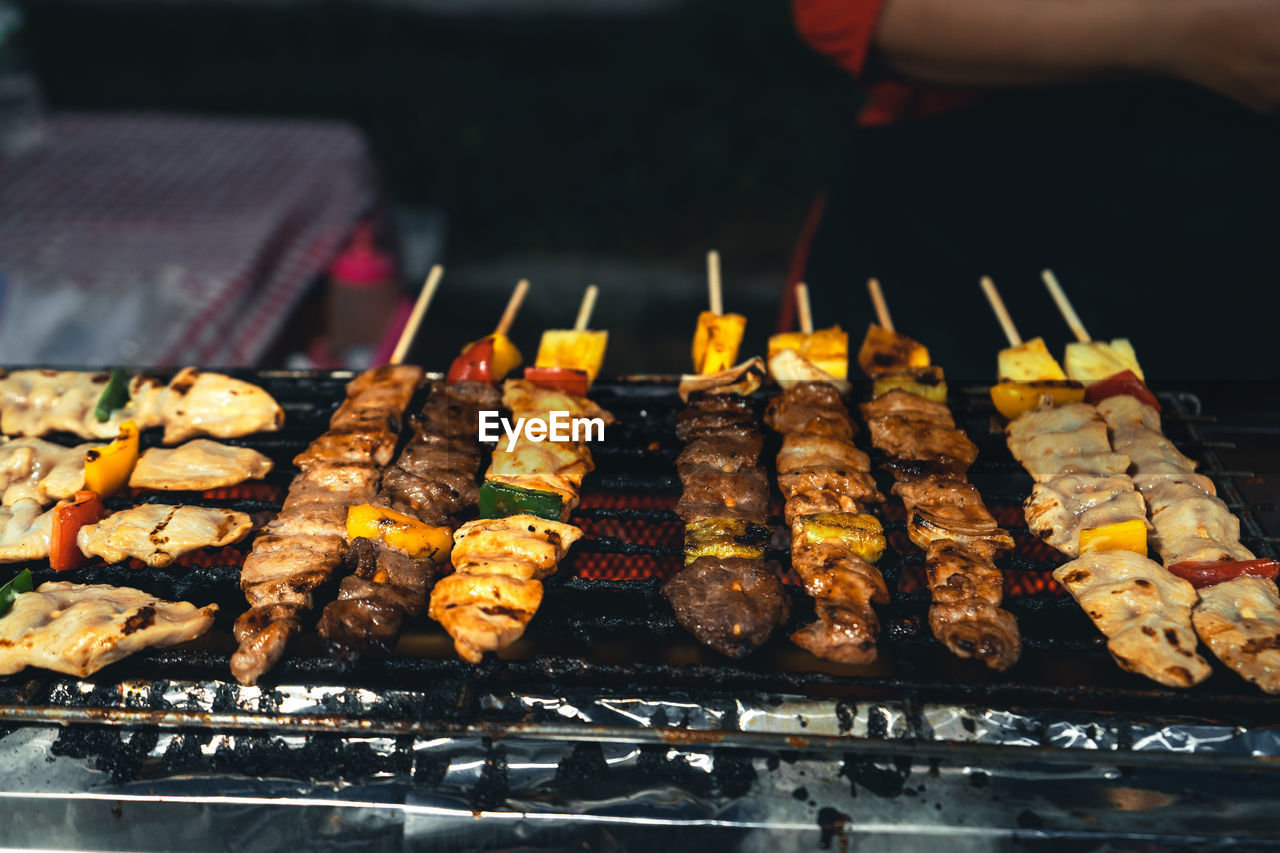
(726, 595)
(946, 517)
(1237, 611)
(1085, 505)
(827, 484)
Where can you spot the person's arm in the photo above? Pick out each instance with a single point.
(1230, 46)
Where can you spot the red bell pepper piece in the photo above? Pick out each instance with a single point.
(564, 379)
(474, 364)
(1124, 382)
(68, 518)
(1202, 574)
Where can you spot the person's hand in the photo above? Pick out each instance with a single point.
(1231, 47)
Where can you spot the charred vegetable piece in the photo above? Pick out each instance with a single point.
(825, 349)
(1128, 535)
(499, 500)
(68, 518)
(860, 533)
(1202, 574)
(884, 351)
(716, 341)
(1124, 382)
(564, 379)
(489, 359)
(573, 350)
(107, 469)
(14, 588)
(115, 394)
(926, 382)
(1028, 362)
(401, 532)
(725, 537)
(1014, 398)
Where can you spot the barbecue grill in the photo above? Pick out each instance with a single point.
(608, 724)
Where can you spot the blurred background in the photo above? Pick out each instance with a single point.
(566, 141)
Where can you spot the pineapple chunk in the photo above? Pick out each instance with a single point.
(884, 351)
(825, 349)
(1030, 362)
(573, 349)
(716, 341)
(1089, 362)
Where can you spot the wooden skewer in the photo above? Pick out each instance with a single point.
(802, 303)
(1002, 313)
(1064, 305)
(584, 310)
(882, 307)
(419, 311)
(513, 307)
(713, 282)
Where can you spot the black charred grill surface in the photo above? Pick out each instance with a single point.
(605, 629)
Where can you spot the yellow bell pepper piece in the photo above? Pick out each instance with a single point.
(1122, 536)
(883, 351)
(924, 382)
(506, 357)
(716, 341)
(574, 350)
(861, 533)
(725, 537)
(107, 469)
(401, 532)
(1015, 398)
(1029, 362)
(825, 349)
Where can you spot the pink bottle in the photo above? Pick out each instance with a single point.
(363, 293)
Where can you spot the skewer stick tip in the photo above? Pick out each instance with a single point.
(586, 308)
(513, 307)
(713, 282)
(1001, 312)
(802, 303)
(882, 307)
(414, 322)
(1064, 306)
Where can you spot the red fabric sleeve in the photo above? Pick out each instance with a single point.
(839, 29)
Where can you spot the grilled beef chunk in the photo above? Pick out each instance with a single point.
(966, 615)
(729, 454)
(709, 492)
(730, 604)
(810, 408)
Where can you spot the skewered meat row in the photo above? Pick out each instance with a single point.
(78, 629)
(726, 595)
(1081, 486)
(193, 403)
(929, 458)
(1239, 619)
(500, 560)
(827, 486)
(433, 478)
(300, 548)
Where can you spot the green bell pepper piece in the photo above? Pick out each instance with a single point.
(113, 396)
(499, 500)
(11, 590)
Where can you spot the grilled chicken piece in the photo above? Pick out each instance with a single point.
(198, 466)
(487, 602)
(966, 616)
(1058, 510)
(800, 451)
(815, 490)
(810, 408)
(300, 549)
(916, 439)
(1071, 439)
(1239, 620)
(730, 455)
(905, 404)
(158, 534)
(40, 470)
(523, 398)
(949, 508)
(25, 528)
(731, 604)
(1192, 526)
(78, 629)
(200, 403)
(843, 588)
(1143, 610)
(712, 493)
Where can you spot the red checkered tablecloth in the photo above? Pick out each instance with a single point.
(155, 240)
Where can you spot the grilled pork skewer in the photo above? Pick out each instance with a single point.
(299, 550)
(192, 404)
(946, 517)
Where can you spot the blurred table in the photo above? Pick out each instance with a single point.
(159, 240)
